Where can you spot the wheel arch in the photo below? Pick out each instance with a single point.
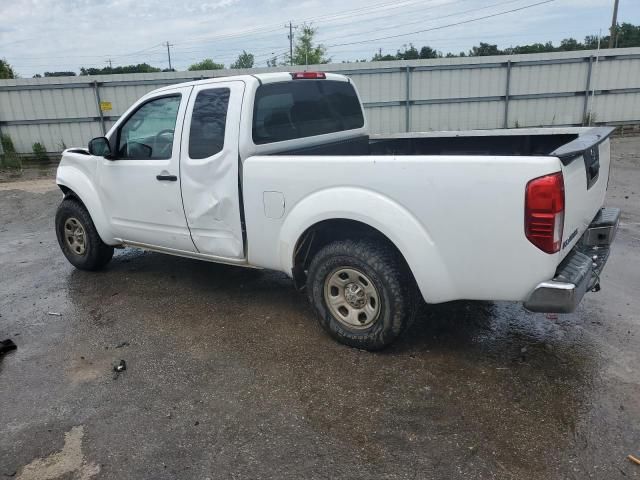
(76, 185)
(322, 215)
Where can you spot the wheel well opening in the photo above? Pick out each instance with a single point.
(68, 193)
(322, 233)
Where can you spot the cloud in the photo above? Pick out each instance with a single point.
(39, 35)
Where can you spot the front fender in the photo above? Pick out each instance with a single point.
(79, 180)
(377, 211)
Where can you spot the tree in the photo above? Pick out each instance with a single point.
(627, 35)
(139, 68)
(428, 52)
(484, 49)
(570, 44)
(305, 53)
(5, 69)
(272, 62)
(245, 60)
(409, 54)
(59, 74)
(378, 57)
(206, 64)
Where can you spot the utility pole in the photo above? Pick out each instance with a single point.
(614, 24)
(290, 37)
(169, 54)
(109, 62)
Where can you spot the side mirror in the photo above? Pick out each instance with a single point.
(100, 147)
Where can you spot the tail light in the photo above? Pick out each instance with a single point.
(544, 212)
(308, 75)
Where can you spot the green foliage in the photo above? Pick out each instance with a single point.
(245, 60)
(383, 58)
(627, 35)
(410, 53)
(140, 68)
(483, 50)
(40, 152)
(305, 52)
(5, 69)
(206, 64)
(10, 158)
(428, 52)
(59, 74)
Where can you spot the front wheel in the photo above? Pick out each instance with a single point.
(78, 237)
(362, 292)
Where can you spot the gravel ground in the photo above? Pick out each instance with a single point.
(229, 376)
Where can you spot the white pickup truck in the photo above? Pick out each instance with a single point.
(278, 171)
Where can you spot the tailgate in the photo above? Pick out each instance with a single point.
(585, 168)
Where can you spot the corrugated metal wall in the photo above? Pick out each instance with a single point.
(549, 89)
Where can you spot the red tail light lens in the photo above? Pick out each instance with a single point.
(308, 75)
(544, 212)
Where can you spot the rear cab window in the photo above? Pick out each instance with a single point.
(304, 108)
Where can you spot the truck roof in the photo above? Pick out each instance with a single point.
(261, 77)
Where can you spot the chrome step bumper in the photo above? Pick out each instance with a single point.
(580, 271)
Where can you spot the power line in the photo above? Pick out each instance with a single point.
(442, 26)
(428, 18)
(391, 4)
(339, 15)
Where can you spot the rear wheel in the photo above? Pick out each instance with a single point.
(363, 294)
(78, 237)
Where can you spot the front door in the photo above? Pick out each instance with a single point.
(140, 186)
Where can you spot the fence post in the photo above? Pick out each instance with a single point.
(96, 90)
(586, 91)
(506, 96)
(407, 107)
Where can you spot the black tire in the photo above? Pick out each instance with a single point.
(95, 254)
(385, 270)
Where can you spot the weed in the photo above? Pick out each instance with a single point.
(10, 158)
(40, 152)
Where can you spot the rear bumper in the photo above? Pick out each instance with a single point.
(580, 271)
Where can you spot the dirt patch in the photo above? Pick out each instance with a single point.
(42, 185)
(28, 173)
(69, 460)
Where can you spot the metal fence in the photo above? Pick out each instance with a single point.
(552, 89)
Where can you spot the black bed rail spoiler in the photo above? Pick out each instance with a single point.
(585, 141)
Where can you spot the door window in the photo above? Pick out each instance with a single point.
(148, 133)
(208, 121)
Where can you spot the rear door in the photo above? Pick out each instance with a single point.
(209, 169)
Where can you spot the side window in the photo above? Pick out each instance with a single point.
(208, 121)
(148, 133)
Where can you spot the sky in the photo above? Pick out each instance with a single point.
(64, 35)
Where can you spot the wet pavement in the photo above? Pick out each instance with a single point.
(229, 376)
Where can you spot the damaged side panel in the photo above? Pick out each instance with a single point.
(209, 169)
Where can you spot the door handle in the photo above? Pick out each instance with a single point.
(167, 178)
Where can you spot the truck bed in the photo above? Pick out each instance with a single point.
(561, 142)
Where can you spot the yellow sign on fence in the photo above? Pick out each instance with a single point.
(105, 106)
